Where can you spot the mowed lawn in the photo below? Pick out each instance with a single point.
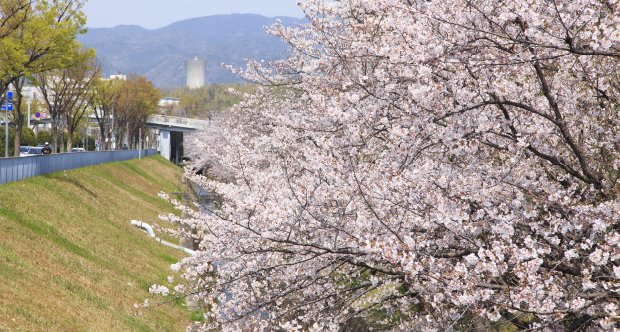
(70, 260)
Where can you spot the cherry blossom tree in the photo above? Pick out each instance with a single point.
(420, 165)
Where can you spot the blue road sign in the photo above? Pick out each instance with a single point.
(9, 95)
(10, 107)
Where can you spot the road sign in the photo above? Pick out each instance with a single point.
(44, 115)
(37, 115)
(9, 95)
(10, 107)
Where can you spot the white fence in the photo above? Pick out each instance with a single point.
(16, 169)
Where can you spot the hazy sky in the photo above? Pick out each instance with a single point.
(153, 14)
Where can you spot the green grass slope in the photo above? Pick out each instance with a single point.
(70, 260)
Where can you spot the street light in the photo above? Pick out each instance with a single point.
(29, 97)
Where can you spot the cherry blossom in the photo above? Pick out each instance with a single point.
(419, 165)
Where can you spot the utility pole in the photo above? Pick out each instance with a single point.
(6, 125)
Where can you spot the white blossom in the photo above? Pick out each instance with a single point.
(459, 155)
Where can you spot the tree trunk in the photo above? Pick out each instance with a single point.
(55, 135)
(70, 141)
(18, 116)
(19, 122)
(102, 141)
(62, 141)
(18, 138)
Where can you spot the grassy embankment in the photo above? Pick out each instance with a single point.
(70, 260)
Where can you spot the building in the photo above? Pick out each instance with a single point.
(195, 69)
(169, 105)
(118, 77)
(169, 102)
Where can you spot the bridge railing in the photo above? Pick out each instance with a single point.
(16, 169)
(179, 121)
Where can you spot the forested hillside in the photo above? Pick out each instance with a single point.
(160, 54)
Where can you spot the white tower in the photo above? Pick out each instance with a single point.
(195, 73)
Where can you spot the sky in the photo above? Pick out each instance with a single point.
(153, 14)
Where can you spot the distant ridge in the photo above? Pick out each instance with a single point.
(160, 54)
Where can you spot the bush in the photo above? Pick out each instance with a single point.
(91, 144)
(78, 141)
(28, 137)
(43, 136)
(11, 140)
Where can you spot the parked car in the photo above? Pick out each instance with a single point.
(78, 150)
(23, 150)
(35, 150)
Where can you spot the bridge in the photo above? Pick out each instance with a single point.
(169, 133)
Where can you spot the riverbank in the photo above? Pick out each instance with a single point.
(70, 260)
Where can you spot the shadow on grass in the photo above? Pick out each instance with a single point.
(45, 230)
(73, 182)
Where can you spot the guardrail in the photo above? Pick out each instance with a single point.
(16, 169)
(179, 121)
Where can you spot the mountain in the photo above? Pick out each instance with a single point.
(160, 54)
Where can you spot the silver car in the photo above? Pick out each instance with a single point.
(23, 150)
(35, 150)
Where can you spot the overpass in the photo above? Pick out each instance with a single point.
(168, 130)
(169, 133)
